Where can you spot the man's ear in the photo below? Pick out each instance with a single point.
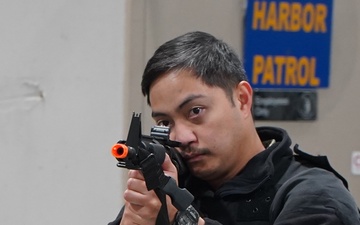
(244, 95)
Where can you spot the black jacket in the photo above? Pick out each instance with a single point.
(277, 187)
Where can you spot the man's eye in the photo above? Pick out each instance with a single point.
(195, 111)
(164, 123)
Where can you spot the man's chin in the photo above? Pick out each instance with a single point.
(201, 173)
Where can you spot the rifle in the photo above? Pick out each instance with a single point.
(147, 153)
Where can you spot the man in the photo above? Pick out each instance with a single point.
(240, 174)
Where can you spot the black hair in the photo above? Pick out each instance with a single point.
(208, 58)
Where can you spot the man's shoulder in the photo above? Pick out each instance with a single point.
(312, 190)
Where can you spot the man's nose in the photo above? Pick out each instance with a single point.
(183, 134)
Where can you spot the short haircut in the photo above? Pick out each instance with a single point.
(208, 58)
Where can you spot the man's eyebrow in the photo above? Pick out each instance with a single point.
(156, 114)
(181, 105)
(189, 99)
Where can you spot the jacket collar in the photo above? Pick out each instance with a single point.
(256, 172)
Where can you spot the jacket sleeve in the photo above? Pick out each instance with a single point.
(211, 222)
(118, 218)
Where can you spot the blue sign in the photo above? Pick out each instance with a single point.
(287, 43)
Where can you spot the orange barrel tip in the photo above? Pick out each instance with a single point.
(120, 151)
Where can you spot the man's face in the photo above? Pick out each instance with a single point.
(204, 120)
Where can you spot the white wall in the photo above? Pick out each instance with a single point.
(62, 98)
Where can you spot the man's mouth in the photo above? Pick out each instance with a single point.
(194, 155)
(192, 158)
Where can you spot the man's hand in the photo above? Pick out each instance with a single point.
(142, 206)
